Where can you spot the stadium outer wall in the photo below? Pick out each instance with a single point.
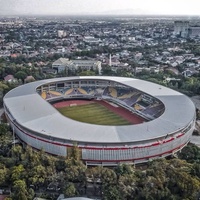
(109, 154)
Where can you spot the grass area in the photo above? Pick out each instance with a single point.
(93, 113)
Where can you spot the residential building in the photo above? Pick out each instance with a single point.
(10, 78)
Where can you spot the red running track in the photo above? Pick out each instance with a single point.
(69, 102)
(126, 114)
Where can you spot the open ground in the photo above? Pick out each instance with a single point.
(97, 112)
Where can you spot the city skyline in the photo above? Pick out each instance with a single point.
(99, 7)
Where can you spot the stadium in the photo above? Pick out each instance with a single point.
(160, 120)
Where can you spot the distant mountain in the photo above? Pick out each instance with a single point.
(21, 7)
(128, 12)
(14, 7)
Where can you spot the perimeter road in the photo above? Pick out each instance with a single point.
(195, 140)
(1, 113)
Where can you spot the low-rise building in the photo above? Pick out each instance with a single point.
(62, 63)
(10, 78)
(194, 31)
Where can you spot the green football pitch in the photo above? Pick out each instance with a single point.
(93, 113)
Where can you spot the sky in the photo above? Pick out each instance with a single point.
(68, 7)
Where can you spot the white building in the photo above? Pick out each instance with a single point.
(90, 39)
(62, 33)
(194, 31)
(62, 63)
(181, 28)
(86, 65)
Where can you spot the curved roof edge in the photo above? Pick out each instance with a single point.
(34, 113)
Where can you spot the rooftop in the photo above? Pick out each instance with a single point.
(45, 119)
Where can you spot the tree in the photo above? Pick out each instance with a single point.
(31, 194)
(5, 139)
(107, 71)
(195, 171)
(124, 169)
(108, 176)
(94, 173)
(127, 186)
(60, 164)
(31, 158)
(38, 175)
(21, 75)
(4, 129)
(74, 153)
(87, 73)
(17, 173)
(70, 190)
(20, 191)
(75, 173)
(8, 198)
(3, 89)
(112, 192)
(191, 153)
(3, 174)
(3, 86)
(171, 176)
(17, 152)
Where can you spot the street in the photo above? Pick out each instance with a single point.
(195, 140)
(1, 113)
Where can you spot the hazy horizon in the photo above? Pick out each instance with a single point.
(100, 7)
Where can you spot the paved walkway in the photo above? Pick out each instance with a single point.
(195, 140)
(196, 101)
(1, 113)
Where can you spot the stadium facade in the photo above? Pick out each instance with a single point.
(170, 119)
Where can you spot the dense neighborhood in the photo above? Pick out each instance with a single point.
(163, 50)
(120, 46)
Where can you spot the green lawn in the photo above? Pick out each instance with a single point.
(93, 113)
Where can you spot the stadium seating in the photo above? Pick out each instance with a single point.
(44, 95)
(54, 93)
(82, 91)
(113, 92)
(131, 98)
(126, 96)
(153, 109)
(50, 94)
(138, 107)
(69, 91)
(124, 91)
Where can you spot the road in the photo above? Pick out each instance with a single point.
(1, 112)
(195, 140)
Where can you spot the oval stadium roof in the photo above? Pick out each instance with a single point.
(34, 113)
